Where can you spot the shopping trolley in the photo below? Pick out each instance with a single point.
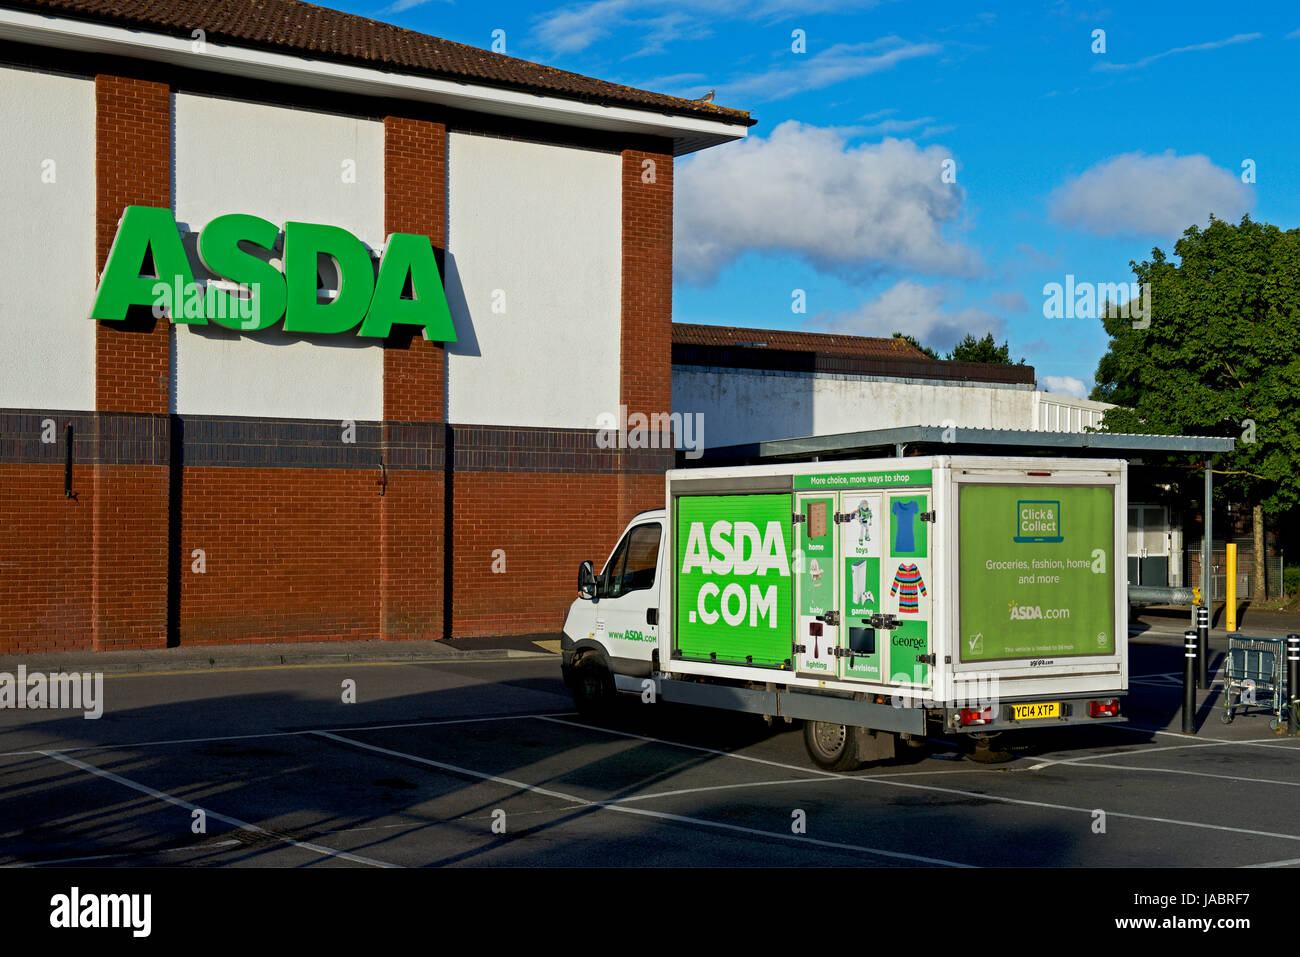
(1254, 676)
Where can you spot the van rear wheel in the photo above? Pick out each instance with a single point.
(833, 747)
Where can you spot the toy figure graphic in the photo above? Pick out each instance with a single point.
(863, 516)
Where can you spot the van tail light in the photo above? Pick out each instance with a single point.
(971, 716)
(1104, 709)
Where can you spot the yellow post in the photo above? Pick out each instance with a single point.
(1231, 585)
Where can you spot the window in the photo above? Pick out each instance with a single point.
(632, 566)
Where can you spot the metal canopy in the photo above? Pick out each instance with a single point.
(956, 440)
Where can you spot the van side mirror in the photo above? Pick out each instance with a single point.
(586, 581)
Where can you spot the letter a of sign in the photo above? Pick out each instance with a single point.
(406, 255)
(143, 230)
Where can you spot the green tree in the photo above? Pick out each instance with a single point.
(912, 341)
(971, 349)
(1219, 355)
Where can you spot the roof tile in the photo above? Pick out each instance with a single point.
(294, 27)
(688, 334)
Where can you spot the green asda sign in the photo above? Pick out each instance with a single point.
(1037, 572)
(733, 583)
(263, 295)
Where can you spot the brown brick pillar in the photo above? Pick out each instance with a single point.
(413, 508)
(132, 380)
(646, 334)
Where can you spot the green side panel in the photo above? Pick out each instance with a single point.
(1037, 571)
(733, 587)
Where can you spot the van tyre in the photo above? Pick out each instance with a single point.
(833, 747)
(593, 688)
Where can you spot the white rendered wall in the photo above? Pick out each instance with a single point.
(745, 406)
(543, 225)
(47, 245)
(281, 164)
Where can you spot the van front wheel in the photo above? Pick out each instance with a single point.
(593, 687)
(833, 747)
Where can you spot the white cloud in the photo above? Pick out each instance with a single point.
(579, 25)
(1065, 385)
(576, 27)
(916, 310)
(401, 6)
(1145, 195)
(835, 64)
(892, 126)
(1193, 48)
(850, 211)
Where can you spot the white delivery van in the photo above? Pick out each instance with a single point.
(873, 599)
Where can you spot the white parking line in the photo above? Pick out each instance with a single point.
(640, 812)
(996, 798)
(278, 734)
(1048, 762)
(232, 821)
(714, 787)
(761, 784)
(1291, 863)
(192, 849)
(1250, 743)
(1199, 774)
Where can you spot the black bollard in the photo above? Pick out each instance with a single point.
(1292, 683)
(1189, 682)
(1203, 646)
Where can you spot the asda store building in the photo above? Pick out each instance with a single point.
(308, 322)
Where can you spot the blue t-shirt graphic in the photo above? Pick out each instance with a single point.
(904, 512)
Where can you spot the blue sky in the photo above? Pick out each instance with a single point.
(1068, 159)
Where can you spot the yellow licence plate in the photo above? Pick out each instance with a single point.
(1042, 709)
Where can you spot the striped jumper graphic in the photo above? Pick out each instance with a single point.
(907, 580)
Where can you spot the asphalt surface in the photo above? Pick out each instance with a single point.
(478, 760)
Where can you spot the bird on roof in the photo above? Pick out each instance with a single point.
(706, 98)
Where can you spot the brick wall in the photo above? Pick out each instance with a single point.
(647, 338)
(545, 525)
(291, 554)
(415, 376)
(132, 374)
(132, 168)
(45, 560)
(646, 376)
